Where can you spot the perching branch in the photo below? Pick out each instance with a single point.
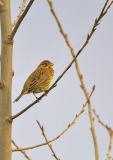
(20, 20)
(33, 103)
(64, 131)
(23, 152)
(46, 139)
(44, 94)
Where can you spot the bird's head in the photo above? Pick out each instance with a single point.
(46, 63)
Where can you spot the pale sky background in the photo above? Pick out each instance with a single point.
(38, 38)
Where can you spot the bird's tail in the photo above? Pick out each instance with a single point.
(18, 97)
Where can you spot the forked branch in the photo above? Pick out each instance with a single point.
(21, 10)
(64, 131)
(20, 19)
(110, 132)
(73, 53)
(63, 73)
(23, 152)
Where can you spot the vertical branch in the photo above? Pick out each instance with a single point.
(110, 132)
(6, 78)
(103, 11)
(80, 76)
(110, 145)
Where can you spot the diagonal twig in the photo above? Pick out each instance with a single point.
(21, 9)
(44, 94)
(73, 53)
(65, 130)
(110, 132)
(46, 139)
(100, 121)
(54, 84)
(23, 152)
(11, 36)
(110, 147)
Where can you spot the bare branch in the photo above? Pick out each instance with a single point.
(96, 23)
(20, 20)
(54, 84)
(46, 139)
(110, 147)
(33, 103)
(73, 53)
(65, 130)
(107, 8)
(21, 9)
(100, 121)
(110, 132)
(23, 152)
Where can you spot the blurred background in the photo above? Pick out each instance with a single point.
(38, 38)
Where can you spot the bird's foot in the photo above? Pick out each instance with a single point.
(55, 85)
(46, 92)
(35, 96)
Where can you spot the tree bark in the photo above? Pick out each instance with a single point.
(6, 78)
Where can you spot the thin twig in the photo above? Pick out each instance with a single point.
(65, 130)
(46, 139)
(23, 152)
(21, 9)
(110, 132)
(110, 147)
(96, 23)
(20, 20)
(100, 121)
(107, 8)
(73, 53)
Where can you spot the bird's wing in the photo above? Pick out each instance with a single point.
(34, 79)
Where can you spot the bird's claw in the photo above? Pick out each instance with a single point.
(35, 96)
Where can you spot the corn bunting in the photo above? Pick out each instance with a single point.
(39, 80)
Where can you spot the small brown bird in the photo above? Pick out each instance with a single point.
(39, 80)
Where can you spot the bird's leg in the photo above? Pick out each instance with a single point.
(35, 96)
(55, 85)
(46, 92)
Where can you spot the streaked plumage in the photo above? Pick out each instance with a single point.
(39, 80)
